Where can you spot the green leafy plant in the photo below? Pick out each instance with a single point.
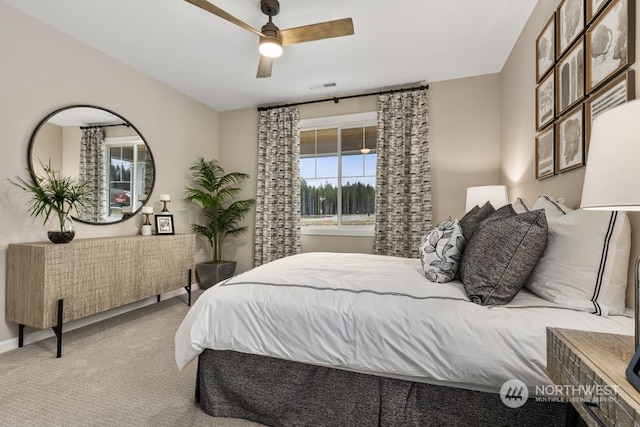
(215, 191)
(53, 193)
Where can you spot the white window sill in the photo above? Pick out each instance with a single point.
(337, 231)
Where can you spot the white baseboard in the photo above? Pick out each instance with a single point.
(39, 335)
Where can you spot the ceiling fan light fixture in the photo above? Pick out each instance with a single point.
(270, 47)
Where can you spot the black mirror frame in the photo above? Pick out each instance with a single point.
(32, 140)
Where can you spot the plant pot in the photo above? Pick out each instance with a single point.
(210, 273)
(61, 236)
(61, 233)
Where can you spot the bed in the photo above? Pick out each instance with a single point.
(358, 339)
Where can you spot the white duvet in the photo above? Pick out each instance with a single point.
(379, 315)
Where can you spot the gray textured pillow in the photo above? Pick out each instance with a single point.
(502, 252)
(475, 216)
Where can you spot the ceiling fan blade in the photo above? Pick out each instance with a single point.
(322, 30)
(203, 4)
(264, 67)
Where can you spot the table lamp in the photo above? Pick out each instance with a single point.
(147, 211)
(494, 194)
(612, 179)
(165, 198)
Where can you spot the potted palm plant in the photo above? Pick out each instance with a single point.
(52, 194)
(215, 192)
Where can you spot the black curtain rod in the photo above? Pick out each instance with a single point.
(338, 98)
(104, 126)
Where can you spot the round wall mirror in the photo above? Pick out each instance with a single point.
(99, 147)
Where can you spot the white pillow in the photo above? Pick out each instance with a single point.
(553, 208)
(585, 264)
(441, 250)
(520, 206)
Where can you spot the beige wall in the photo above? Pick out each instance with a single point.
(43, 70)
(518, 125)
(50, 151)
(464, 140)
(464, 134)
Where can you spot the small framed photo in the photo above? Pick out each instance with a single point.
(164, 224)
(546, 48)
(594, 7)
(570, 18)
(570, 140)
(545, 101)
(544, 153)
(570, 78)
(610, 43)
(618, 91)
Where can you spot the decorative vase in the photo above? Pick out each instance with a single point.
(61, 233)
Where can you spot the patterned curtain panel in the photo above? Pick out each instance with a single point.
(92, 170)
(148, 174)
(278, 199)
(403, 174)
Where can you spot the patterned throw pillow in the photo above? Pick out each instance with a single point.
(441, 250)
(502, 252)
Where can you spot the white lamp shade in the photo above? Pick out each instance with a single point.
(494, 194)
(612, 176)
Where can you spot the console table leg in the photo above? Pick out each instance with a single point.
(20, 335)
(188, 288)
(58, 328)
(158, 297)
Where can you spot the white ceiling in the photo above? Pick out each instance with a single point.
(211, 60)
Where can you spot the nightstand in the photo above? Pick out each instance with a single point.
(589, 369)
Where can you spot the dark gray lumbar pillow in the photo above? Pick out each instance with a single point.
(475, 216)
(502, 252)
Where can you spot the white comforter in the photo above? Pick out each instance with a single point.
(379, 315)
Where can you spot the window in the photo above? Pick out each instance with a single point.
(338, 174)
(125, 160)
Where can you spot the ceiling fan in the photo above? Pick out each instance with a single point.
(272, 38)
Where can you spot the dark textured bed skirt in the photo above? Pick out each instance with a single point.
(275, 392)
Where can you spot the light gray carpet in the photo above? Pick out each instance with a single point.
(118, 372)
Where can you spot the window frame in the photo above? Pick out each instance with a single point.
(342, 121)
(133, 141)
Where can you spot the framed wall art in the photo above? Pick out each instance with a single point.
(545, 143)
(593, 7)
(570, 24)
(570, 140)
(610, 43)
(546, 49)
(545, 101)
(618, 91)
(164, 224)
(570, 78)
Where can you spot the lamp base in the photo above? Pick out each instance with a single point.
(146, 230)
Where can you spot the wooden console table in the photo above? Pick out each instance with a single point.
(590, 369)
(51, 284)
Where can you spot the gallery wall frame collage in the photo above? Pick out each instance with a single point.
(583, 55)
